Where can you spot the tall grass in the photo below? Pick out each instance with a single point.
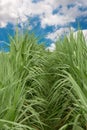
(42, 90)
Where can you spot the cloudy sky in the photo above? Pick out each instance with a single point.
(48, 19)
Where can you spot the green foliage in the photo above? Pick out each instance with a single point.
(42, 90)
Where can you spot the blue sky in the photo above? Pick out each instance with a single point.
(48, 19)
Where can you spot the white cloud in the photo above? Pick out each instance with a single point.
(54, 20)
(12, 10)
(8, 12)
(59, 32)
(54, 37)
(51, 48)
(84, 33)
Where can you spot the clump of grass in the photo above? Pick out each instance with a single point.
(42, 90)
(19, 85)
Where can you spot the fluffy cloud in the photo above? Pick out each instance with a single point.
(59, 32)
(51, 48)
(7, 12)
(12, 11)
(84, 34)
(55, 35)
